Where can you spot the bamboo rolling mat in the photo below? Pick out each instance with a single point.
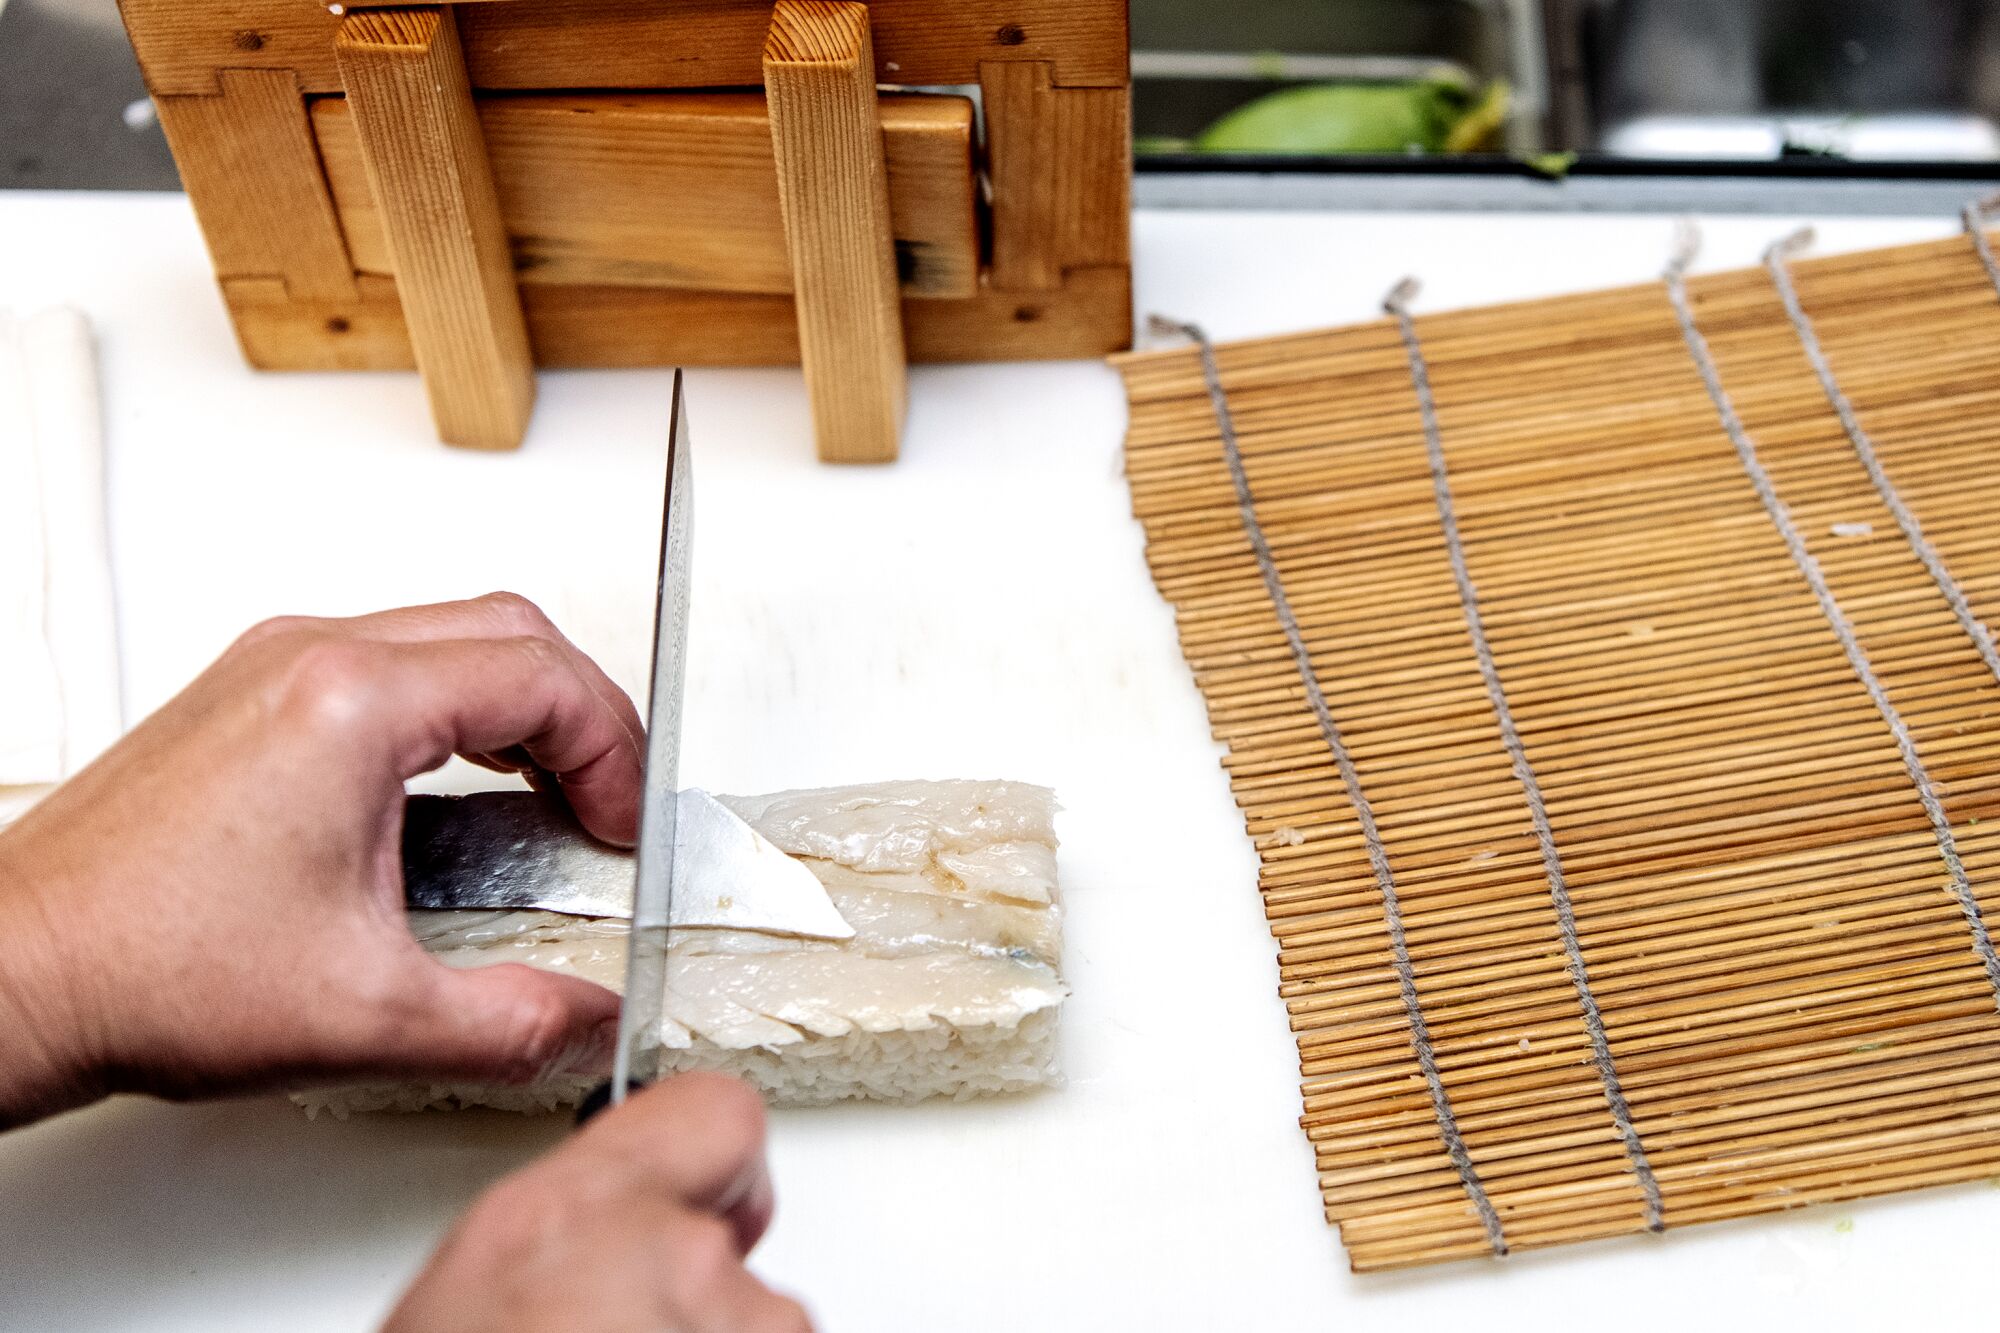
(1629, 837)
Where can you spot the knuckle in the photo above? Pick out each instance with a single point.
(327, 682)
(516, 613)
(543, 657)
(265, 631)
(545, 652)
(537, 1035)
(550, 676)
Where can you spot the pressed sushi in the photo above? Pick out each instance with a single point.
(949, 987)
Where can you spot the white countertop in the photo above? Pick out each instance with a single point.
(980, 609)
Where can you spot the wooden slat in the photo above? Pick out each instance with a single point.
(1787, 982)
(1089, 315)
(658, 326)
(277, 333)
(1059, 159)
(184, 47)
(639, 44)
(834, 190)
(427, 169)
(246, 154)
(589, 307)
(678, 190)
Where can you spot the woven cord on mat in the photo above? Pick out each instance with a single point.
(1864, 448)
(1606, 688)
(1398, 307)
(1378, 859)
(1829, 605)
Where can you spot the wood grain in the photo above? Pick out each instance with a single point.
(678, 190)
(1788, 984)
(1060, 160)
(230, 76)
(636, 44)
(658, 326)
(246, 155)
(427, 169)
(834, 190)
(276, 332)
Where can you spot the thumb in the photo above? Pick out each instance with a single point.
(514, 1024)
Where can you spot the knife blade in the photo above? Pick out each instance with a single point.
(637, 1059)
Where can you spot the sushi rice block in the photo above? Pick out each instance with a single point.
(950, 986)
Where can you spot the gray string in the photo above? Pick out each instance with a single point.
(1864, 448)
(1398, 305)
(1378, 855)
(1746, 452)
(1975, 227)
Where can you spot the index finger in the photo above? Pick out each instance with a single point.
(478, 696)
(497, 615)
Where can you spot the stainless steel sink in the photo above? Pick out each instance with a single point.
(1887, 80)
(1603, 77)
(1194, 60)
(1821, 73)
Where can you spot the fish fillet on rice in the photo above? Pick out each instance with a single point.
(950, 987)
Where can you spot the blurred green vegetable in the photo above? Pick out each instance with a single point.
(1555, 166)
(1431, 116)
(1484, 122)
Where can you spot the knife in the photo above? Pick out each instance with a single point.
(637, 1060)
(524, 850)
(512, 850)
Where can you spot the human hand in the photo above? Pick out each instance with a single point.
(641, 1220)
(215, 906)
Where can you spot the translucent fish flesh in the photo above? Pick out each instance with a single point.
(950, 985)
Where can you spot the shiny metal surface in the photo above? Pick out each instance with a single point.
(1641, 60)
(638, 1054)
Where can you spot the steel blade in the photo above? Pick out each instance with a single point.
(638, 1055)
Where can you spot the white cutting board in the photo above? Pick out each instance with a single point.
(980, 609)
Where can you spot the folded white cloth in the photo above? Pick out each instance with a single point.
(59, 686)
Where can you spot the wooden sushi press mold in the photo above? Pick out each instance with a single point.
(478, 188)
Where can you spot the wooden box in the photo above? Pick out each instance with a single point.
(474, 189)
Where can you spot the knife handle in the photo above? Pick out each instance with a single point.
(600, 1098)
